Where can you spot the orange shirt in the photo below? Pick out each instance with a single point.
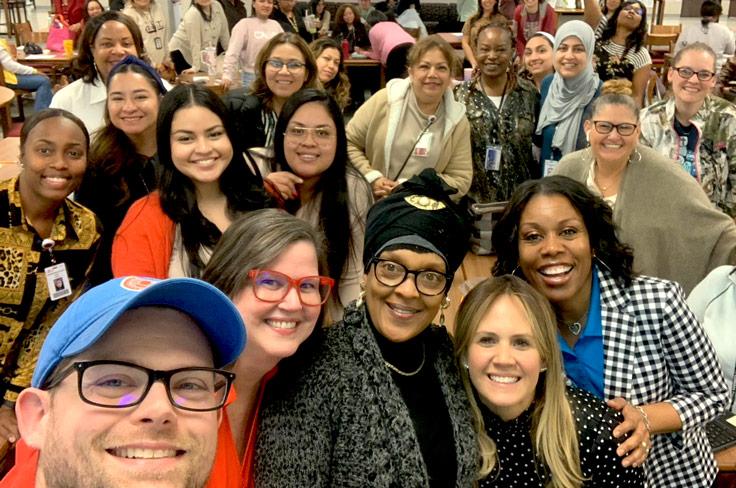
(227, 471)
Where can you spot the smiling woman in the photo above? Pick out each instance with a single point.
(284, 66)
(508, 359)
(204, 185)
(502, 111)
(123, 155)
(42, 232)
(313, 179)
(413, 124)
(379, 402)
(105, 41)
(625, 338)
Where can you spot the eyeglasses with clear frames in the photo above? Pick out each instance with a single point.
(119, 384)
(291, 66)
(687, 73)
(393, 274)
(603, 127)
(322, 135)
(272, 286)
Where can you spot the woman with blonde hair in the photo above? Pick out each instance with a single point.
(507, 353)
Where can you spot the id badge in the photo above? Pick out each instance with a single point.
(493, 158)
(157, 42)
(421, 150)
(57, 281)
(549, 166)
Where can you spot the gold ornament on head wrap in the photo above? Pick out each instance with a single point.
(423, 202)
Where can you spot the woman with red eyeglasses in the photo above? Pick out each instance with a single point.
(269, 263)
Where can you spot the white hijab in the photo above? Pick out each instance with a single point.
(567, 98)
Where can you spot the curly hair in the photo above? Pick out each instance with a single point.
(597, 216)
(84, 64)
(339, 86)
(259, 87)
(479, 11)
(636, 39)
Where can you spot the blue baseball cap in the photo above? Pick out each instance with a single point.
(92, 314)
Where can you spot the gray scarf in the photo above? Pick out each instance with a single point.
(567, 98)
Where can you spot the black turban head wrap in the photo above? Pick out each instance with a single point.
(419, 213)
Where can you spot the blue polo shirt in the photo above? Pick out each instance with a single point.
(584, 362)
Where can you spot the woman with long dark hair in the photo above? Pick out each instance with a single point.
(625, 338)
(204, 185)
(349, 27)
(122, 159)
(314, 180)
(620, 45)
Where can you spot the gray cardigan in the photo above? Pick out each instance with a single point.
(662, 213)
(341, 421)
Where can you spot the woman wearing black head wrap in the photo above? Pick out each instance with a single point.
(379, 403)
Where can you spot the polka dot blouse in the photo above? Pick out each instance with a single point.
(600, 464)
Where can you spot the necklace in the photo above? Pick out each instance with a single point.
(575, 327)
(404, 373)
(615, 179)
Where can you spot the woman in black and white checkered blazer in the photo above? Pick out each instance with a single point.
(628, 339)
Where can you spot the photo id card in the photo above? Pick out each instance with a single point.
(493, 158)
(549, 166)
(421, 150)
(57, 281)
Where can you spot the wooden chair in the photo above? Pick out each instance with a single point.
(6, 98)
(655, 88)
(19, 93)
(15, 13)
(659, 45)
(667, 29)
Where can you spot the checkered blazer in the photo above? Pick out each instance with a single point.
(655, 350)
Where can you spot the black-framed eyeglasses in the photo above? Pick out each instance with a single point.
(603, 127)
(119, 384)
(272, 286)
(291, 66)
(687, 73)
(637, 10)
(427, 281)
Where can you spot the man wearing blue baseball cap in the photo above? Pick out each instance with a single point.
(128, 389)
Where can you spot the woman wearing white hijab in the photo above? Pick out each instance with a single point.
(568, 93)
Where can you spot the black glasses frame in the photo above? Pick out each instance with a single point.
(407, 272)
(598, 123)
(703, 74)
(154, 375)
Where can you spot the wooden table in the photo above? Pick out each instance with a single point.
(51, 64)
(356, 67)
(6, 98)
(454, 39)
(214, 85)
(568, 14)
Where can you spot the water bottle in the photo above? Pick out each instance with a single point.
(345, 49)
